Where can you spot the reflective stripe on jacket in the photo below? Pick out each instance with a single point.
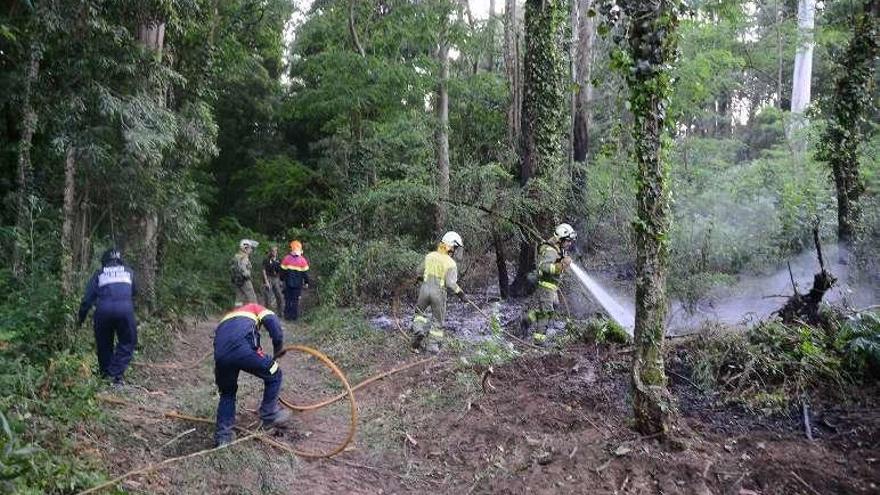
(440, 268)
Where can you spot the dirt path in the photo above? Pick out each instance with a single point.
(556, 423)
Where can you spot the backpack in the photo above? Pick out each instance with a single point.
(235, 274)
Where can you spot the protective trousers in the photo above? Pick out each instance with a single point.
(244, 293)
(291, 302)
(274, 294)
(117, 323)
(226, 369)
(428, 327)
(542, 309)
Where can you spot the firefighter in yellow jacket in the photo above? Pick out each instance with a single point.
(439, 274)
(551, 263)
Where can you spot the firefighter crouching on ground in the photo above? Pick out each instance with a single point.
(295, 275)
(241, 273)
(237, 348)
(552, 261)
(112, 289)
(272, 280)
(439, 274)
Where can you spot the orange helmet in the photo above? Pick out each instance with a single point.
(296, 247)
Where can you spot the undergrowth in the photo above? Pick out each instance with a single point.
(774, 365)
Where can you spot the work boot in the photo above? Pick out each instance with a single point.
(223, 439)
(118, 383)
(280, 419)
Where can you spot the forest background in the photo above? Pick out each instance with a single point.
(174, 128)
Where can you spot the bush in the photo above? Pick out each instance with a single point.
(786, 362)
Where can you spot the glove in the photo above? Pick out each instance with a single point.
(565, 262)
(461, 296)
(278, 355)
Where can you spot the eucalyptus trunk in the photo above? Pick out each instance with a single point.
(803, 70)
(513, 71)
(152, 36)
(442, 136)
(849, 109)
(583, 77)
(652, 46)
(543, 118)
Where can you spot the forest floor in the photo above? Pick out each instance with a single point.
(558, 421)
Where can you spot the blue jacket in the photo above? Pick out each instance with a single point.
(112, 288)
(241, 327)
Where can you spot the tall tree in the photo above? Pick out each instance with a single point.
(25, 166)
(583, 76)
(151, 35)
(848, 110)
(543, 121)
(652, 40)
(513, 70)
(441, 133)
(803, 70)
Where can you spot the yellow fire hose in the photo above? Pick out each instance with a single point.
(349, 392)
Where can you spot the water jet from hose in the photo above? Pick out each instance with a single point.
(620, 314)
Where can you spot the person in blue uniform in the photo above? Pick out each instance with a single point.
(112, 290)
(237, 348)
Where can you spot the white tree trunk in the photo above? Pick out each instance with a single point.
(803, 59)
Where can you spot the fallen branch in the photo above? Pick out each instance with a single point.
(178, 437)
(808, 429)
(153, 467)
(484, 380)
(806, 485)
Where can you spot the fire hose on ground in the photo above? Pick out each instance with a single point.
(349, 393)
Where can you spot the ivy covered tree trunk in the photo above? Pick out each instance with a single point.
(849, 109)
(652, 48)
(543, 119)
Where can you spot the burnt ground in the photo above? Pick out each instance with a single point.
(557, 422)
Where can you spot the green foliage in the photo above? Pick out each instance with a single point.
(859, 340)
(773, 364)
(596, 330)
(373, 268)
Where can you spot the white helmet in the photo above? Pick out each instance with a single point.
(565, 231)
(247, 242)
(452, 239)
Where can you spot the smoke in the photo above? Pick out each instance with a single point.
(751, 299)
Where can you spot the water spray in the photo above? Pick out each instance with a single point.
(620, 314)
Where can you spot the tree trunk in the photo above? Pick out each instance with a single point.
(352, 30)
(803, 70)
(152, 36)
(543, 117)
(513, 72)
(501, 264)
(779, 54)
(849, 108)
(585, 30)
(25, 166)
(651, 31)
(68, 217)
(491, 24)
(442, 135)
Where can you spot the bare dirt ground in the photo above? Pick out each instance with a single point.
(557, 422)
